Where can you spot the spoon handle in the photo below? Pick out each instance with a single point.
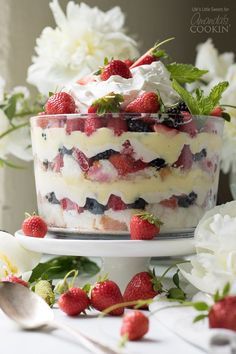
(91, 344)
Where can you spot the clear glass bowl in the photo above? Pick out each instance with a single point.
(94, 172)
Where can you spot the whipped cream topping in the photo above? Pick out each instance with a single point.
(145, 78)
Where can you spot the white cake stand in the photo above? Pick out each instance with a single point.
(122, 258)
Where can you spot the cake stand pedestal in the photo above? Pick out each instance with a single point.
(122, 258)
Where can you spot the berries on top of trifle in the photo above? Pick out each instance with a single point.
(125, 139)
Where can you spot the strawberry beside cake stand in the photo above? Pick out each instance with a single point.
(122, 258)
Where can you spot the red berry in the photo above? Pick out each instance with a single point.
(57, 163)
(146, 59)
(217, 112)
(116, 203)
(106, 294)
(144, 227)
(74, 124)
(92, 124)
(169, 203)
(82, 159)
(126, 164)
(146, 103)
(185, 159)
(164, 129)
(34, 226)
(92, 109)
(129, 62)
(60, 103)
(115, 67)
(134, 325)
(141, 287)
(74, 301)
(223, 314)
(13, 279)
(118, 125)
(188, 125)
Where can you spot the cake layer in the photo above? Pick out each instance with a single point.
(146, 146)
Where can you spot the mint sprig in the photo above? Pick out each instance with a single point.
(197, 102)
(184, 73)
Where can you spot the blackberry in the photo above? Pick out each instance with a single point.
(183, 107)
(158, 163)
(138, 204)
(200, 155)
(104, 155)
(138, 125)
(173, 111)
(45, 164)
(186, 200)
(51, 197)
(93, 206)
(65, 151)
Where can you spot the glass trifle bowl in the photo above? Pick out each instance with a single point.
(94, 177)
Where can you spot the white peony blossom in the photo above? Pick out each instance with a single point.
(14, 259)
(221, 67)
(78, 45)
(215, 240)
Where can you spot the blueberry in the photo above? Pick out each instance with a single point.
(45, 164)
(104, 155)
(93, 206)
(185, 201)
(44, 136)
(65, 151)
(138, 204)
(51, 197)
(138, 125)
(158, 163)
(200, 155)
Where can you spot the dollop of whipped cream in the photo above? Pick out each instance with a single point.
(145, 78)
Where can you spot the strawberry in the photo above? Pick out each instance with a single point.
(34, 226)
(74, 124)
(67, 204)
(223, 314)
(116, 203)
(144, 226)
(87, 79)
(188, 125)
(172, 203)
(148, 102)
(217, 112)
(60, 103)
(126, 164)
(115, 67)
(105, 294)
(164, 129)
(42, 121)
(92, 124)
(82, 159)
(129, 62)
(57, 163)
(118, 125)
(13, 279)
(74, 301)
(142, 286)
(185, 159)
(134, 325)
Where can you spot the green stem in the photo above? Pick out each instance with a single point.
(227, 105)
(170, 267)
(11, 164)
(24, 114)
(13, 129)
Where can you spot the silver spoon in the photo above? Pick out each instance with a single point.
(30, 311)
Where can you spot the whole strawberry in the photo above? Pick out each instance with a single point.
(105, 294)
(13, 279)
(223, 314)
(142, 286)
(134, 325)
(115, 67)
(34, 226)
(74, 301)
(144, 226)
(60, 103)
(148, 102)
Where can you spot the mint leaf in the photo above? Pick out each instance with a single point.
(226, 289)
(176, 294)
(200, 306)
(187, 97)
(199, 318)
(208, 103)
(185, 72)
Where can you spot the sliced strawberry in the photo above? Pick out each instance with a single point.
(185, 159)
(74, 124)
(82, 159)
(163, 129)
(116, 203)
(42, 121)
(126, 164)
(67, 204)
(127, 148)
(57, 163)
(118, 125)
(217, 112)
(170, 203)
(188, 125)
(92, 124)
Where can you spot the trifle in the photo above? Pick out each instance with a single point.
(109, 147)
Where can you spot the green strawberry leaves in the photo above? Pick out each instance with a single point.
(108, 103)
(150, 218)
(184, 73)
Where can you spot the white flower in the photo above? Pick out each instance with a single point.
(4, 125)
(78, 45)
(215, 262)
(14, 259)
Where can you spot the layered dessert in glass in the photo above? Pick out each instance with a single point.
(95, 169)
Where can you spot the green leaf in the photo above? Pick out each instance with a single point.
(199, 318)
(176, 294)
(185, 72)
(226, 289)
(201, 306)
(217, 296)
(216, 93)
(226, 116)
(187, 97)
(176, 279)
(160, 53)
